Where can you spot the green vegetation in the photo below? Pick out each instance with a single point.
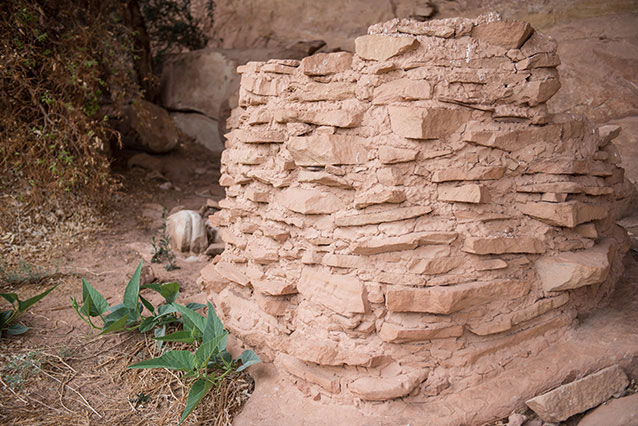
(206, 366)
(7, 318)
(162, 249)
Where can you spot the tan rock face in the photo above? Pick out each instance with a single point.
(411, 208)
(580, 395)
(324, 149)
(343, 294)
(575, 269)
(421, 123)
(508, 34)
(380, 48)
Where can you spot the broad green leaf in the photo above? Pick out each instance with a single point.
(160, 332)
(23, 306)
(165, 309)
(178, 336)
(93, 303)
(10, 297)
(195, 306)
(248, 358)
(118, 325)
(198, 391)
(170, 291)
(117, 315)
(4, 317)
(132, 291)
(194, 317)
(148, 305)
(173, 360)
(207, 349)
(15, 329)
(147, 324)
(214, 328)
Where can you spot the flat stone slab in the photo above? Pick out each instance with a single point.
(579, 395)
(616, 412)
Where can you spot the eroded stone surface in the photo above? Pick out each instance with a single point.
(393, 212)
(580, 395)
(575, 269)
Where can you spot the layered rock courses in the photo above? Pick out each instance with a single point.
(395, 216)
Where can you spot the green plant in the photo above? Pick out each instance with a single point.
(162, 250)
(128, 315)
(7, 318)
(19, 367)
(209, 364)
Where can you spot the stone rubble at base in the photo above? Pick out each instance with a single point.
(406, 210)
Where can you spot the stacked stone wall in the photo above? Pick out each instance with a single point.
(400, 213)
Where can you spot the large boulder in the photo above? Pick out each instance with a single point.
(147, 127)
(201, 128)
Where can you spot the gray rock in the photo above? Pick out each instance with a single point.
(187, 232)
(204, 130)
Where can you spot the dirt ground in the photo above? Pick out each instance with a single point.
(61, 371)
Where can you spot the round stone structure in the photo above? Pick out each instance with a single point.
(410, 215)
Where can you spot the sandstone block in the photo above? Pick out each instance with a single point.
(264, 86)
(507, 34)
(309, 201)
(571, 270)
(373, 218)
(259, 136)
(464, 194)
(257, 196)
(212, 280)
(425, 123)
(384, 388)
(501, 245)
(343, 261)
(379, 194)
(568, 214)
(310, 373)
(376, 245)
(338, 118)
(231, 272)
(398, 334)
(323, 149)
(313, 92)
(616, 412)
(475, 173)
(339, 293)
(439, 265)
(608, 133)
(393, 155)
(489, 264)
(580, 395)
(383, 47)
(401, 90)
(323, 178)
(449, 299)
(326, 63)
(275, 306)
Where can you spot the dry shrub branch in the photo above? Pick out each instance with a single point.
(61, 62)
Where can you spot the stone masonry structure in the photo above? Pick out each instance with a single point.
(409, 216)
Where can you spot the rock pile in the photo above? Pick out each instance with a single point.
(396, 215)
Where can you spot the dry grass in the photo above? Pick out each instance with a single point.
(87, 385)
